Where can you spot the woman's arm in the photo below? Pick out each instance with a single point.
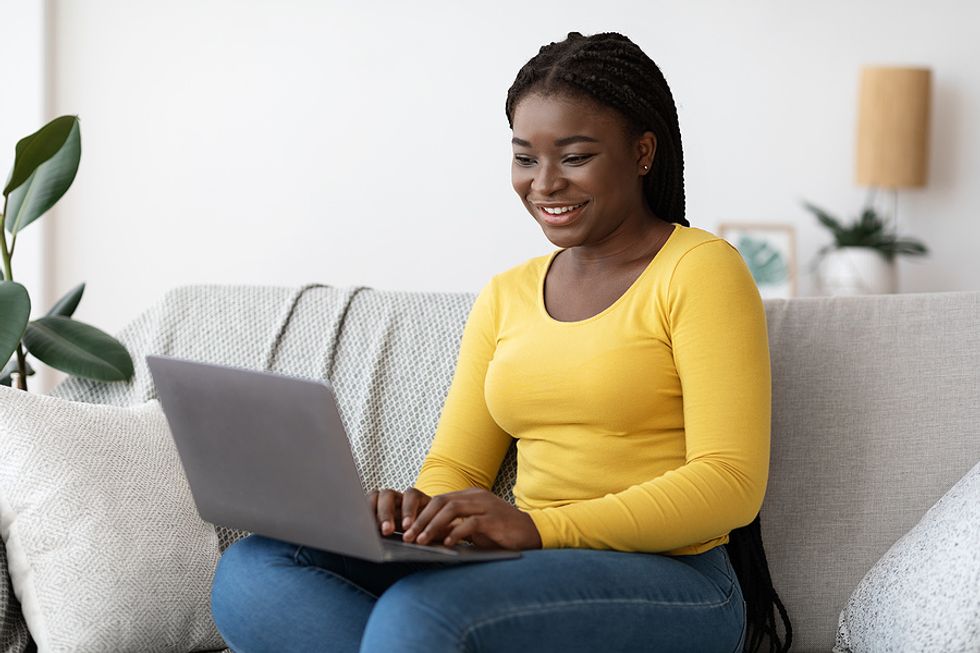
(468, 445)
(718, 336)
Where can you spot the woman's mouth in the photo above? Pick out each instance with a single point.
(561, 215)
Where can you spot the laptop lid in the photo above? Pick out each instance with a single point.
(266, 453)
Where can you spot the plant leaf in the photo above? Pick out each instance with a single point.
(66, 305)
(15, 311)
(50, 160)
(825, 218)
(78, 348)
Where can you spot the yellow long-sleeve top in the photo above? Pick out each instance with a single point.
(642, 428)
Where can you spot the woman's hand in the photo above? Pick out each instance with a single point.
(474, 514)
(393, 507)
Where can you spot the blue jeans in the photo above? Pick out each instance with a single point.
(270, 595)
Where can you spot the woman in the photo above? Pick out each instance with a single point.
(632, 366)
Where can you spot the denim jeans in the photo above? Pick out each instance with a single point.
(273, 596)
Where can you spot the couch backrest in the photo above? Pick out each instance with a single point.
(875, 416)
(875, 411)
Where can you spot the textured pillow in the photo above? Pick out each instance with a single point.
(105, 547)
(924, 593)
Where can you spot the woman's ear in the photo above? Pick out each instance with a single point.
(646, 148)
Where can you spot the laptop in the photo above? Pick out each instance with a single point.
(268, 453)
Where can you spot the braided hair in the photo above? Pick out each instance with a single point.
(611, 70)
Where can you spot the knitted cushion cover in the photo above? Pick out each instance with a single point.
(105, 547)
(923, 594)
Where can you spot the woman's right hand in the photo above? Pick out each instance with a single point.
(393, 508)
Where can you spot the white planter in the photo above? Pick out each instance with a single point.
(857, 271)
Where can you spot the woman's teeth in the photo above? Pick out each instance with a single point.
(562, 209)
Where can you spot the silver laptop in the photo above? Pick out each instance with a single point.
(268, 453)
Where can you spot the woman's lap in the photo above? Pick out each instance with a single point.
(549, 599)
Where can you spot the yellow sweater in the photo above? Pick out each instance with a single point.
(642, 428)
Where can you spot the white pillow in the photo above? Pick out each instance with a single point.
(105, 547)
(924, 593)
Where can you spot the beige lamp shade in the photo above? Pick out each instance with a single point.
(893, 127)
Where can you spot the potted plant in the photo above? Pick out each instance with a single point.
(861, 260)
(45, 164)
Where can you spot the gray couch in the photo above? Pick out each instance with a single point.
(875, 411)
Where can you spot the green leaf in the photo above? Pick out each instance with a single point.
(15, 311)
(31, 151)
(78, 348)
(825, 218)
(66, 305)
(44, 168)
(12, 367)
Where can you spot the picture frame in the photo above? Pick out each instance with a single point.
(769, 251)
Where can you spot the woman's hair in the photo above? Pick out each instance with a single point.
(613, 71)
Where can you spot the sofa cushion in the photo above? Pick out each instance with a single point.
(924, 593)
(104, 544)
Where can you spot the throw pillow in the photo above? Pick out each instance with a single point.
(104, 544)
(924, 593)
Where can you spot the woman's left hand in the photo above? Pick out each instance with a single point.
(477, 515)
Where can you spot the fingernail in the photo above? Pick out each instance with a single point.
(385, 525)
(406, 522)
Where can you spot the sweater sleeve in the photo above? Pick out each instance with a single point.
(718, 338)
(468, 445)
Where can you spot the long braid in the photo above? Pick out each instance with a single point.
(748, 558)
(610, 69)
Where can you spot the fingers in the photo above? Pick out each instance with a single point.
(413, 501)
(388, 507)
(464, 529)
(435, 520)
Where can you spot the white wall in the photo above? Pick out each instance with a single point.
(366, 143)
(22, 111)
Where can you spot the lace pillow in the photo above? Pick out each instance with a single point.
(924, 593)
(105, 548)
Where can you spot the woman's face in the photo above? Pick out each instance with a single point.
(575, 153)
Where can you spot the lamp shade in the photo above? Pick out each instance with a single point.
(893, 127)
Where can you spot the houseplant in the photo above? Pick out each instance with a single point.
(861, 259)
(45, 164)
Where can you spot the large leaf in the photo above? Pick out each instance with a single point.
(15, 311)
(44, 167)
(77, 348)
(66, 305)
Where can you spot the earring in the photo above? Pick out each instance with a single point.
(646, 167)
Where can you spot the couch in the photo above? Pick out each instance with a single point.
(875, 409)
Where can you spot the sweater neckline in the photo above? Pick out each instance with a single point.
(619, 300)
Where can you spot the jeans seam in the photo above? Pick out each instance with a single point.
(332, 573)
(461, 642)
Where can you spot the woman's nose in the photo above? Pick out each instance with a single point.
(547, 179)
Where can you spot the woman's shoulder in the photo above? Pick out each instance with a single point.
(523, 275)
(695, 246)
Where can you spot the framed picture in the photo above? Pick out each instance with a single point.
(770, 252)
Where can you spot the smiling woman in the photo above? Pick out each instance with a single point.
(630, 364)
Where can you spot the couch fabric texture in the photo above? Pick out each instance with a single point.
(874, 407)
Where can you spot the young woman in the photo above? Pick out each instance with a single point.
(632, 366)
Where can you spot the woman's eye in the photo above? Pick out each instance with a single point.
(522, 160)
(578, 158)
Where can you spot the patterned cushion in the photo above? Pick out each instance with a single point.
(105, 548)
(924, 593)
